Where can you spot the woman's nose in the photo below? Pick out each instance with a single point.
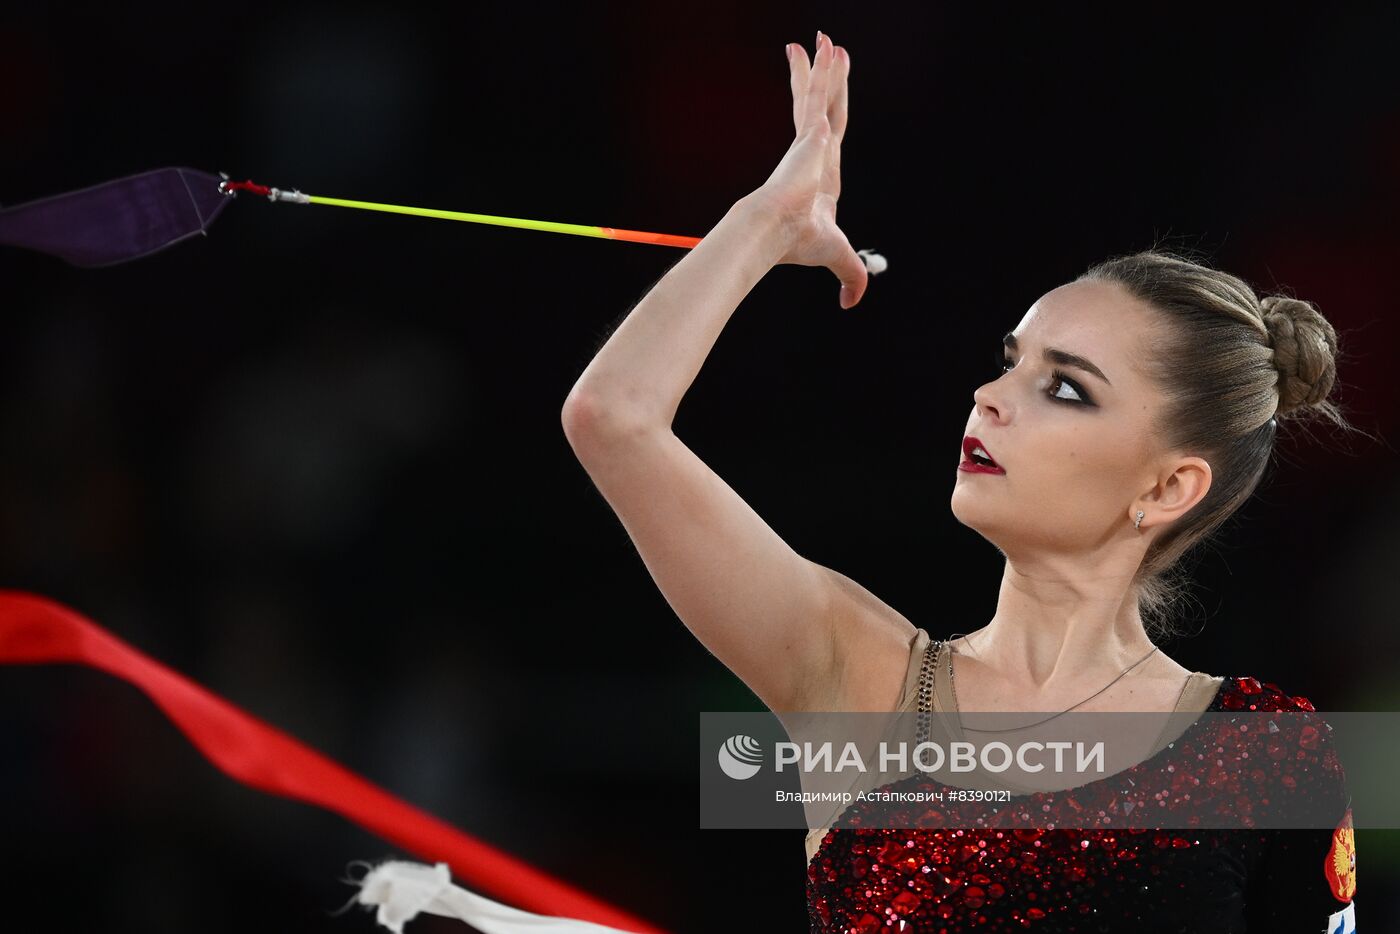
(987, 399)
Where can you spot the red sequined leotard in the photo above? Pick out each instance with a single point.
(979, 878)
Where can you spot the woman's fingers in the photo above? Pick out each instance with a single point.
(816, 102)
(819, 86)
(798, 70)
(836, 112)
(853, 275)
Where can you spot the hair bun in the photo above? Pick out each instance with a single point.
(1305, 351)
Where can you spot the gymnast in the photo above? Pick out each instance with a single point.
(1135, 409)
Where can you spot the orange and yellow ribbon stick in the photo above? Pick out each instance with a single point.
(582, 230)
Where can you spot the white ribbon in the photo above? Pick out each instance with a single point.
(403, 889)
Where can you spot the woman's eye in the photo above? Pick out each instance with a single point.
(1057, 379)
(1066, 384)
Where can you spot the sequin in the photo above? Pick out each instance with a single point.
(926, 878)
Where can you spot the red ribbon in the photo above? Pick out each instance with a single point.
(35, 630)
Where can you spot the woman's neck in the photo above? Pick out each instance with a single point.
(1050, 633)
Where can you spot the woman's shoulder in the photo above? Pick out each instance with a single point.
(1288, 745)
(1247, 693)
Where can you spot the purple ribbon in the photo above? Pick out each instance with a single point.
(117, 221)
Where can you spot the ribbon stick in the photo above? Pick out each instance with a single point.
(582, 230)
(874, 262)
(609, 233)
(142, 214)
(35, 630)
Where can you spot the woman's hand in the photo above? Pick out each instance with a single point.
(803, 189)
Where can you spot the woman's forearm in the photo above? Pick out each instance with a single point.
(651, 359)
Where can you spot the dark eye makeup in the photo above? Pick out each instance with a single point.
(1003, 364)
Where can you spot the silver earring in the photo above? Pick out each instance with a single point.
(1139, 519)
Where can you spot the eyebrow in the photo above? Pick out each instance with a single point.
(1062, 357)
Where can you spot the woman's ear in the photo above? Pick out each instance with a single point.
(1178, 490)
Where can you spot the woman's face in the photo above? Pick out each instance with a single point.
(1077, 447)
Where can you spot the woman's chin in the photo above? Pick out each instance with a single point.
(975, 518)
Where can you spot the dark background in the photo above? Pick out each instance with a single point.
(315, 462)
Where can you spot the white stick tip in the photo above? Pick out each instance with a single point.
(874, 262)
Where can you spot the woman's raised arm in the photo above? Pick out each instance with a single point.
(781, 623)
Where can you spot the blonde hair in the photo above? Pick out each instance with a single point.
(1234, 369)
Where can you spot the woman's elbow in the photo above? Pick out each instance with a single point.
(588, 421)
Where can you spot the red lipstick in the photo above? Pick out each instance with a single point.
(980, 462)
